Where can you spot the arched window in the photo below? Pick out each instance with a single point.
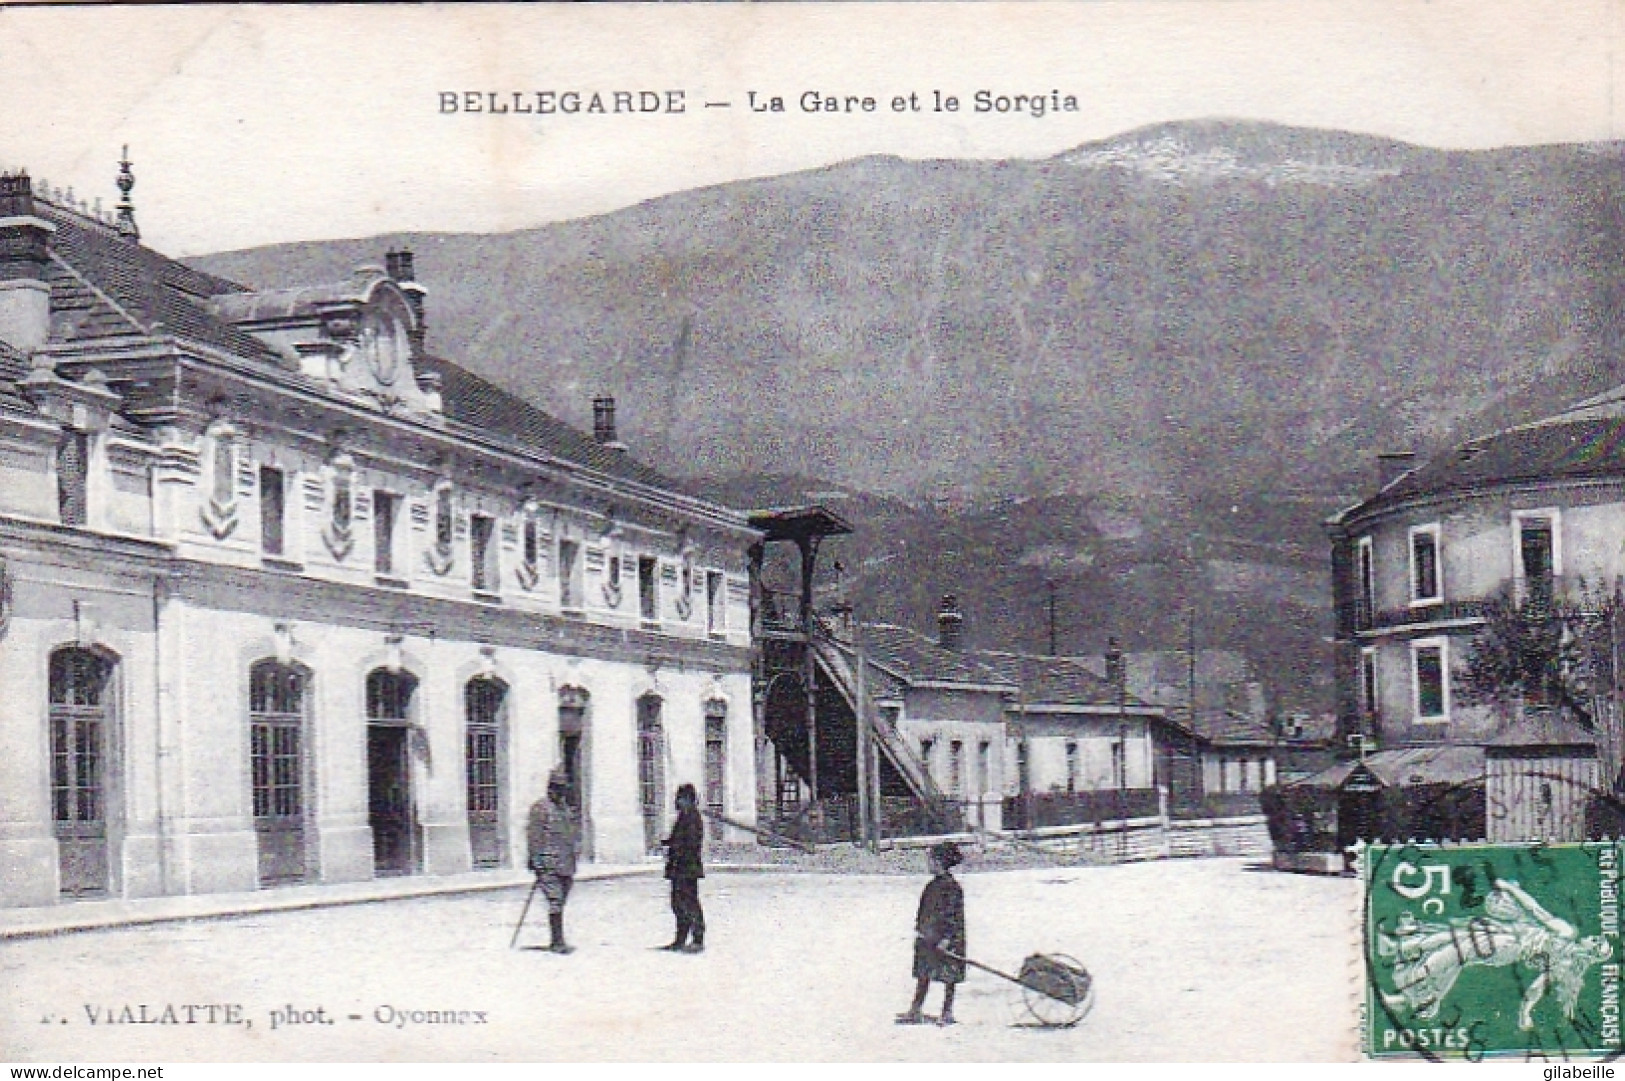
(484, 705)
(716, 756)
(389, 695)
(276, 717)
(80, 719)
(651, 770)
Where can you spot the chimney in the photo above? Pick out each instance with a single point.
(1393, 464)
(950, 622)
(398, 264)
(603, 422)
(401, 268)
(1116, 670)
(25, 295)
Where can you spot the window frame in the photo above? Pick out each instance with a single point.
(1431, 530)
(384, 563)
(73, 485)
(715, 759)
(1365, 580)
(716, 602)
(1554, 518)
(569, 576)
(1368, 686)
(280, 551)
(649, 589)
(1418, 647)
(484, 564)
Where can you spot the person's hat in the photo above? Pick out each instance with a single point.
(948, 854)
(558, 779)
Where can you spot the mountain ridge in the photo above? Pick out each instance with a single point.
(1204, 331)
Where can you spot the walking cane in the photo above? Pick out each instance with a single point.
(529, 897)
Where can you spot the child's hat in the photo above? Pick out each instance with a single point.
(948, 854)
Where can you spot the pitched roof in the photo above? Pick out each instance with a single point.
(1542, 729)
(105, 285)
(486, 408)
(1054, 681)
(915, 658)
(1223, 727)
(1585, 441)
(1403, 767)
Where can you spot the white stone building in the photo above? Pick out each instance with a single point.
(284, 598)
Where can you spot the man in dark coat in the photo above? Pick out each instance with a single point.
(550, 834)
(685, 866)
(939, 936)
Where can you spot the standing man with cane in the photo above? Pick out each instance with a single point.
(551, 835)
(685, 867)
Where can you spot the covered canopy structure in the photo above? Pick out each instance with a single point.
(1434, 792)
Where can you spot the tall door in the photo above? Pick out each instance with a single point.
(276, 715)
(651, 770)
(390, 810)
(484, 700)
(574, 761)
(80, 702)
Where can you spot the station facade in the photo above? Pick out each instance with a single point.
(285, 598)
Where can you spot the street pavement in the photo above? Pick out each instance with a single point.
(1193, 960)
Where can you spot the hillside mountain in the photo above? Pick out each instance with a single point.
(1185, 344)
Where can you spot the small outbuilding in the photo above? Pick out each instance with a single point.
(1540, 776)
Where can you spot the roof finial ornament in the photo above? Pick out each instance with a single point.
(126, 209)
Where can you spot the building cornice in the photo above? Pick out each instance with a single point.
(287, 595)
(199, 357)
(1374, 510)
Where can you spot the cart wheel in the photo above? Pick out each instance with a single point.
(1052, 1012)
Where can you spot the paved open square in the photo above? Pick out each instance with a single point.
(1193, 960)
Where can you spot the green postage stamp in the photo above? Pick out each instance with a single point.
(1492, 950)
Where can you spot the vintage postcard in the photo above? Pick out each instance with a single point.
(1086, 532)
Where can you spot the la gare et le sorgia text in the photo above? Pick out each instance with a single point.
(672, 102)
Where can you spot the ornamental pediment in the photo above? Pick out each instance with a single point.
(359, 336)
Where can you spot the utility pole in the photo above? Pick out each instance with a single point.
(1050, 583)
(863, 734)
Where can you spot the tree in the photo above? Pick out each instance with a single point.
(1544, 650)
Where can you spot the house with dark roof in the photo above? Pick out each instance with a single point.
(285, 597)
(1530, 515)
(1531, 512)
(948, 709)
(1085, 748)
(1027, 740)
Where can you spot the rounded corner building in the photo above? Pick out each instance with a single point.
(1531, 513)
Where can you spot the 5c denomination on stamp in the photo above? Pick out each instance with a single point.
(1481, 950)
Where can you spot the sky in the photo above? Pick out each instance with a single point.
(250, 125)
